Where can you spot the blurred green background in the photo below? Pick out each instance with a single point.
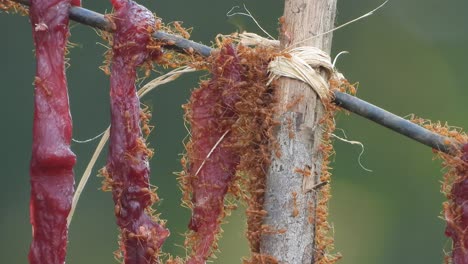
(410, 57)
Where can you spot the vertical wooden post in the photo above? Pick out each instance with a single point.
(289, 199)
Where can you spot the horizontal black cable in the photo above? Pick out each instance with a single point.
(346, 101)
(393, 122)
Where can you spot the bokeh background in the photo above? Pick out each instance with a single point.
(410, 57)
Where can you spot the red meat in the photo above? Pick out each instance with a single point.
(52, 160)
(127, 164)
(211, 116)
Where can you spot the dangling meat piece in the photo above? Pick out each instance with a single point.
(52, 160)
(212, 157)
(127, 164)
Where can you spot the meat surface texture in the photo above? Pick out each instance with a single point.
(127, 165)
(52, 160)
(212, 158)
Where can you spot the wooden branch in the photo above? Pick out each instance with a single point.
(302, 20)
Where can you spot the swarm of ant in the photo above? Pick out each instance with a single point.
(251, 134)
(324, 241)
(253, 130)
(163, 57)
(255, 140)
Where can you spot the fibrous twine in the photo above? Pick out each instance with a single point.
(300, 63)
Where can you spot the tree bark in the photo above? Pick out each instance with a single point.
(290, 199)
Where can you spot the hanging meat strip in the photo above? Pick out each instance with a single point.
(127, 165)
(52, 160)
(212, 158)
